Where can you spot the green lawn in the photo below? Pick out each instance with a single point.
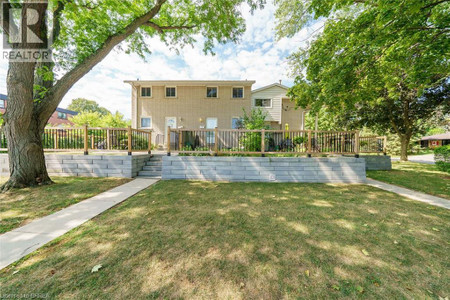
(420, 177)
(203, 240)
(19, 207)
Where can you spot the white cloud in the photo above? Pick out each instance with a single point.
(257, 57)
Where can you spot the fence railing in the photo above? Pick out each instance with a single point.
(92, 139)
(237, 141)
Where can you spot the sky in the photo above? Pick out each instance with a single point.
(258, 56)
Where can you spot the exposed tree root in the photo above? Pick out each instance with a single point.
(13, 183)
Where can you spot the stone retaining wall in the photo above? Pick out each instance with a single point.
(377, 162)
(88, 165)
(265, 169)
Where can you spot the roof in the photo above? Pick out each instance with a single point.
(442, 136)
(67, 111)
(58, 109)
(191, 82)
(271, 86)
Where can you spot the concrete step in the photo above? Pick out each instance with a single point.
(156, 157)
(153, 163)
(149, 173)
(152, 168)
(148, 177)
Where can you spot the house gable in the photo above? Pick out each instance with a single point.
(276, 92)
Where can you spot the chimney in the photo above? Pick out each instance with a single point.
(281, 81)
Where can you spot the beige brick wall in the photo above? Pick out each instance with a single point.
(191, 105)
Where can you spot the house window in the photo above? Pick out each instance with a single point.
(211, 92)
(236, 123)
(171, 92)
(146, 92)
(263, 102)
(146, 122)
(62, 115)
(2, 103)
(238, 92)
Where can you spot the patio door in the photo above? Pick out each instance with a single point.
(170, 122)
(211, 123)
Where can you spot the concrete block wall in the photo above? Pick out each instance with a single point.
(88, 165)
(377, 162)
(265, 169)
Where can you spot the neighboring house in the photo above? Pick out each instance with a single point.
(59, 118)
(192, 104)
(280, 109)
(436, 140)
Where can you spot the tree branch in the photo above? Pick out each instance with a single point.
(55, 94)
(57, 20)
(434, 4)
(161, 29)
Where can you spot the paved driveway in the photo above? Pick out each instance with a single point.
(423, 159)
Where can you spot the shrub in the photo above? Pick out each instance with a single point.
(189, 148)
(442, 158)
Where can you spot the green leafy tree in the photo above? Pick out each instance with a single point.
(116, 120)
(254, 120)
(325, 121)
(85, 105)
(373, 62)
(92, 119)
(84, 33)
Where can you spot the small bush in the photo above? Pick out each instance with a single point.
(442, 158)
(189, 148)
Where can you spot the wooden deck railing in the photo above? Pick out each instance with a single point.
(232, 141)
(92, 139)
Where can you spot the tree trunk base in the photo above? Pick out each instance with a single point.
(14, 183)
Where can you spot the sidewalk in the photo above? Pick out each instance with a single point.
(21, 241)
(433, 200)
(421, 159)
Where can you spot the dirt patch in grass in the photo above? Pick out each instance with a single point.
(420, 177)
(199, 240)
(19, 207)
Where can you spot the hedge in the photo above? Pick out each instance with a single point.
(442, 158)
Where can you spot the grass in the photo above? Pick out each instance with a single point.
(19, 207)
(420, 177)
(200, 240)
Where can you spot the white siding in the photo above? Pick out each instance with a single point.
(275, 93)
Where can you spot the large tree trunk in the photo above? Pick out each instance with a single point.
(23, 129)
(404, 140)
(26, 155)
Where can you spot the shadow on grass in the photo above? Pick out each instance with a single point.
(247, 240)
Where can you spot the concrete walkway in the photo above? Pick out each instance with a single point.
(19, 242)
(421, 159)
(433, 200)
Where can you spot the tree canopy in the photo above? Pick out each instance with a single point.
(84, 105)
(95, 119)
(376, 57)
(83, 34)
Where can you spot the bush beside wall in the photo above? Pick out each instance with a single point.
(442, 158)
